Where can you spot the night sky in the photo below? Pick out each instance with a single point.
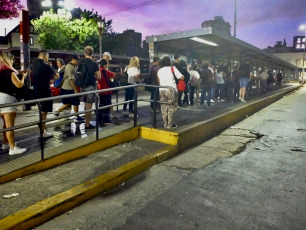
(259, 22)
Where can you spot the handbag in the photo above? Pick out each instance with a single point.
(112, 83)
(181, 84)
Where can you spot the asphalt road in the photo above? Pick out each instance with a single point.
(252, 176)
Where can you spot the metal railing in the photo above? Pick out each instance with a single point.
(96, 109)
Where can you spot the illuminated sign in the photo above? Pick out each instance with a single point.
(299, 43)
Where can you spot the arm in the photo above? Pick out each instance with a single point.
(56, 76)
(18, 83)
(98, 75)
(71, 83)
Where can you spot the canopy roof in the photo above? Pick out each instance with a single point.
(221, 45)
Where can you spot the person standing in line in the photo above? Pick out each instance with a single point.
(244, 73)
(133, 77)
(93, 74)
(167, 78)
(105, 97)
(206, 84)
(153, 69)
(9, 83)
(235, 83)
(42, 74)
(107, 57)
(183, 69)
(68, 87)
(279, 78)
(212, 85)
(194, 81)
(220, 84)
(263, 77)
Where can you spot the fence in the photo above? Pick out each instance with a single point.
(96, 109)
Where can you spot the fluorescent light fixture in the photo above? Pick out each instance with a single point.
(203, 41)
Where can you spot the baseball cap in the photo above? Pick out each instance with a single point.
(107, 54)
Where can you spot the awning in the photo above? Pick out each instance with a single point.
(210, 42)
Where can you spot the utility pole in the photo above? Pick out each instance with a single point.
(235, 18)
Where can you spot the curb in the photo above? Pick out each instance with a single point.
(60, 203)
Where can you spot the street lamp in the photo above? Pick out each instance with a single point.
(101, 25)
(303, 27)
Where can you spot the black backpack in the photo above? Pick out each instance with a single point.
(81, 76)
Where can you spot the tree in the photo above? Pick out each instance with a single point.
(10, 9)
(63, 32)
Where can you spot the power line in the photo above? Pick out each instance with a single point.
(132, 7)
(260, 4)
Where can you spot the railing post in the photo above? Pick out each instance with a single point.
(97, 115)
(135, 105)
(41, 139)
(154, 106)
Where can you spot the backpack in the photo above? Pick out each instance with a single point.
(124, 78)
(81, 76)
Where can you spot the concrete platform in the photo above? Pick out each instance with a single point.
(195, 126)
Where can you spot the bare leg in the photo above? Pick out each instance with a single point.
(9, 119)
(5, 141)
(76, 109)
(44, 117)
(63, 107)
(87, 114)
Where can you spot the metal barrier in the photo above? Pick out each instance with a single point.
(96, 109)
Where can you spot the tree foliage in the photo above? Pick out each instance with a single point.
(62, 31)
(10, 9)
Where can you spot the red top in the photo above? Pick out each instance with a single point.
(102, 83)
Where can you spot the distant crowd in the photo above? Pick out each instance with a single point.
(193, 84)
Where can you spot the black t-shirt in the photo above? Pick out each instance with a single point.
(7, 85)
(244, 70)
(92, 68)
(42, 74)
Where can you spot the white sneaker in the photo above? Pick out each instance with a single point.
(46, 134)
(17, 150)
(212, 101)
(5, 146)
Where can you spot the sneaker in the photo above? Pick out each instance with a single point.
(5, 146)
(173, 126)
(79, 119)
(242, 100)
(90, 127)
(107, 122)
(56, 113)
(46, 134)
(17, 150)
(212, 101)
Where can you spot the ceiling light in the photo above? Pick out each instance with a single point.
(203, 41)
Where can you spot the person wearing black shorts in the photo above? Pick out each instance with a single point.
(68, 87)
(42, 74)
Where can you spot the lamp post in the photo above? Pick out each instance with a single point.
(101, 25)
(303, 27)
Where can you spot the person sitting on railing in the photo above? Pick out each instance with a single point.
(9, 83)
(42, 74)
(133, 77)
(68, 87)
(167, 78)
(105, 97)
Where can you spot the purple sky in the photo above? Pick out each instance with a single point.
(259, 22)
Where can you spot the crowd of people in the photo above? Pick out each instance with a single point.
(199, 84)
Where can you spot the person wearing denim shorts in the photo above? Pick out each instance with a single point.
(244, 77)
